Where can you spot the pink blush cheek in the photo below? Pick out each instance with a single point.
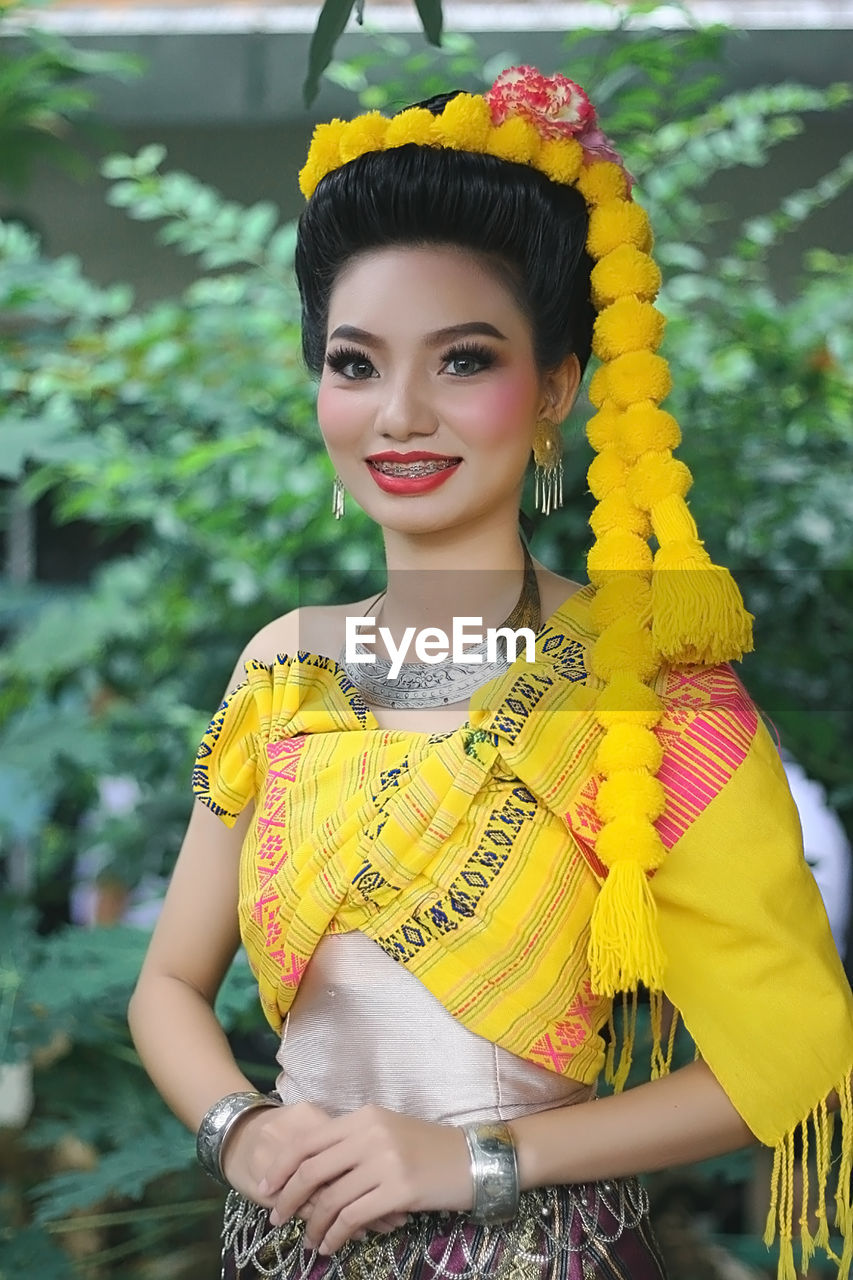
(338, 414)
(499, 411)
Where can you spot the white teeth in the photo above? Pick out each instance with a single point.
(425, 467)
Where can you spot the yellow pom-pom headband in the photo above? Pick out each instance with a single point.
(673, 605)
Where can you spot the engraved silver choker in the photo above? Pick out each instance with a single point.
(422, 685)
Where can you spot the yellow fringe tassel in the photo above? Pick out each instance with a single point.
(624, 946)
(662, 1061)
(844, 1192)
(698, 614)
(780, 1217)
(613, 1074)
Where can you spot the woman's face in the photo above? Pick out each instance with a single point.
(428, 353)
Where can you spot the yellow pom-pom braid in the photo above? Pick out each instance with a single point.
(465, 123)
(561, 159)
(366, 133)
(624, 272)
(672, 606)
(627, 325)
(415, 124)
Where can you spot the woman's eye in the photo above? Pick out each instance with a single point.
(352, 364)
(463, 363)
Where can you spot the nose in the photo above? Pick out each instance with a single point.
(405, 409)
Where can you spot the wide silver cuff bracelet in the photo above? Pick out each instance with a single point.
(218, 1122)
(494, 1169)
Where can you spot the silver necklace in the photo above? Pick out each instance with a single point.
(422, 685)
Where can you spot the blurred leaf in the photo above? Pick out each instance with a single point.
(431, 17)
(331, 24)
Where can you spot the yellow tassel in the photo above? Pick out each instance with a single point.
(629, 1035)
(610, 1052)
(843, 1205)
(624, 947)
(823, 1156)
(656, 999)
(698, 614)
(775, 1186)
(670, 1046)
(781, 1213)
(807, 1243)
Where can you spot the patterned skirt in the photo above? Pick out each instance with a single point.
(582, 1231)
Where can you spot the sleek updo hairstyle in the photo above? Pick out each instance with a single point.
(532, 233)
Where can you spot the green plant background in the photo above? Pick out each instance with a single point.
(183, 434)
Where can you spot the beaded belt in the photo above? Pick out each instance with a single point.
(553, 1223)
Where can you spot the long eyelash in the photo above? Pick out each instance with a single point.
(484, 355)
(339, 359)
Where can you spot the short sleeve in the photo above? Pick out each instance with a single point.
(226, 761)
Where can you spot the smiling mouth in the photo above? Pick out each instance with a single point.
(425, 467)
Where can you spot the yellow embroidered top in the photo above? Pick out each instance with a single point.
(469, 857)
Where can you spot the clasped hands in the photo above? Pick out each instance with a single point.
(345, 1175)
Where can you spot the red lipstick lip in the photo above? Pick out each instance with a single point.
(403, 485)
(416, 455)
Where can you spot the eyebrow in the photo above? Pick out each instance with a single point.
(434, 339)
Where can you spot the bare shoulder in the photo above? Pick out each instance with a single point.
(315, 628)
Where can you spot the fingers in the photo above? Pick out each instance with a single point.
(341, 1230)
(390, 1222)
(344, 1208)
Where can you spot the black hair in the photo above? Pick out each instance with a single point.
(530, 230)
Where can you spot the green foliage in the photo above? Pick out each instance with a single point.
(184, 432)
(331, 24)
(42, 97)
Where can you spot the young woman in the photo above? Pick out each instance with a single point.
(444, 876)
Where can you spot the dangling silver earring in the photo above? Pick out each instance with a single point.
(548, 469)
(338, 493)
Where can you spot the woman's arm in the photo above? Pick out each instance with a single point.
(182, 1046)
(682, 1117)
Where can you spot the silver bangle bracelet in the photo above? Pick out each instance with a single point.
(218, 1122)
(494, 1169)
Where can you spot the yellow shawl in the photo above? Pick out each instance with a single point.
(469, 857)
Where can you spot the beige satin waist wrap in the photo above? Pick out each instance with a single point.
(364, 1029)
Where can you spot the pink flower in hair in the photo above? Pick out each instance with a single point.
(557, 106)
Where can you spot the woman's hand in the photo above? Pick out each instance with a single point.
(359, 1168)
(258, 1141)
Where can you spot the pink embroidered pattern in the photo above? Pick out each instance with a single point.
(708, 726)
(570, 1032)
(272, 851)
